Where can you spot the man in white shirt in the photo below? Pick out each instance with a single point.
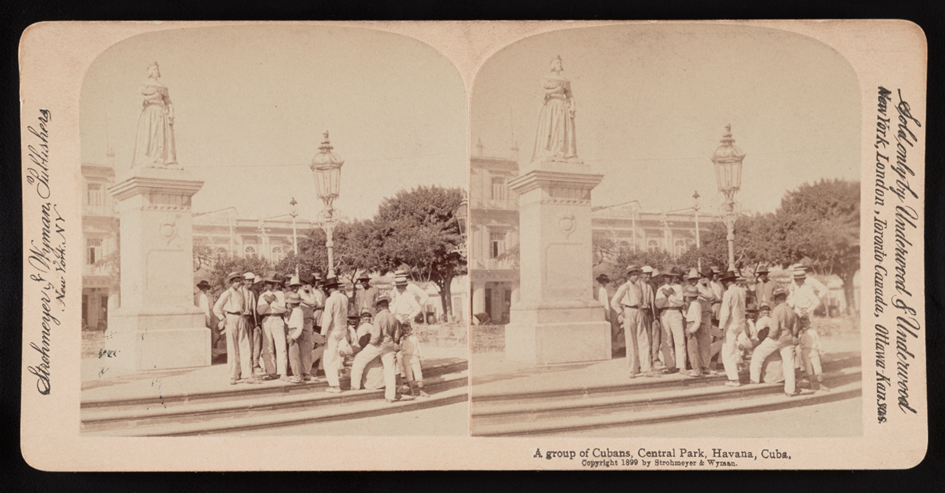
(732, 323)
(803, 298)
(334, 329)
(669, 299)
(630, 297)
(404, 306)
(419, 295)
(230, 308)
(271, 307)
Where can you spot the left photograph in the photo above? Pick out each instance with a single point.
(273, 220)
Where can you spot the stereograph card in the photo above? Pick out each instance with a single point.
(464, 216)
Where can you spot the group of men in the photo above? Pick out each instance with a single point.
(279, 329)
(669, 322)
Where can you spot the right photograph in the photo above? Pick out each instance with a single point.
(663, 235)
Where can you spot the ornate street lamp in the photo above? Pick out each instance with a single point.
(326, 165)
(294, 212)
(728, 173)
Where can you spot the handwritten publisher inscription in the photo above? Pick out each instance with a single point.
(46, 255)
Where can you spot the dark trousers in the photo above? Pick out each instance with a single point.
(692, 349)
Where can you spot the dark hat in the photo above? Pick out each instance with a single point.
(764, 306)
(364, 277)
(602, 279)
(353, 316)
(707, 272)
(366, 313)
(203, 284)
(729, 276)
(330, 282)
(233, 275)
(763, 269)
(271, 278)
(715, 270)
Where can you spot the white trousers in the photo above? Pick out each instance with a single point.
(674, 338)
(387, 359)
(274, 332)
(638, 340)
(763, 350)
(239, 347)
(729, 355)
(412, 369)
(332, 361)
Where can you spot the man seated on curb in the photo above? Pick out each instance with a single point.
(384, 332)
(782, 338)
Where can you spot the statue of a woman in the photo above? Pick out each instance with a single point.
(154, 140)
(555, 140)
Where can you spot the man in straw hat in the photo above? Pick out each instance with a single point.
(231, 309)
(419, 294)
(385, 331)
(711, 303)
(272, 308)
(669, 300)
(630, 296)
(334, 328)
(781, 338)
(294, 333)
(404, 305)
(694, 325)
(732, 323)
(603, 295)
(764, 288)
(650, 320)
(366, 297)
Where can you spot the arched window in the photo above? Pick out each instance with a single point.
(277, 253)
(221, 250)
(653, 246)
(250, 251)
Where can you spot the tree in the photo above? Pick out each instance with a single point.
(822, 222)
(419, 228)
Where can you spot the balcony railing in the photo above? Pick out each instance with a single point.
(496, 204)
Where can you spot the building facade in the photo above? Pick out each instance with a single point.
(494, 232)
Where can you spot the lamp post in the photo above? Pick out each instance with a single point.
(294, 212)
(326, 165)
(728, 173)
(695, 208)
(460, 215)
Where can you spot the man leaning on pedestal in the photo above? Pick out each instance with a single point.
(630, 296)
(230, 308)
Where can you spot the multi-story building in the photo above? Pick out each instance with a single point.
(224, 231)
(493, 234)
(494, 230)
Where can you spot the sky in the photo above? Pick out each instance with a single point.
(251, 104)
(653, 101)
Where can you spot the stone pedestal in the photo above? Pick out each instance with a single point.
(157, 325)
(557, 319)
